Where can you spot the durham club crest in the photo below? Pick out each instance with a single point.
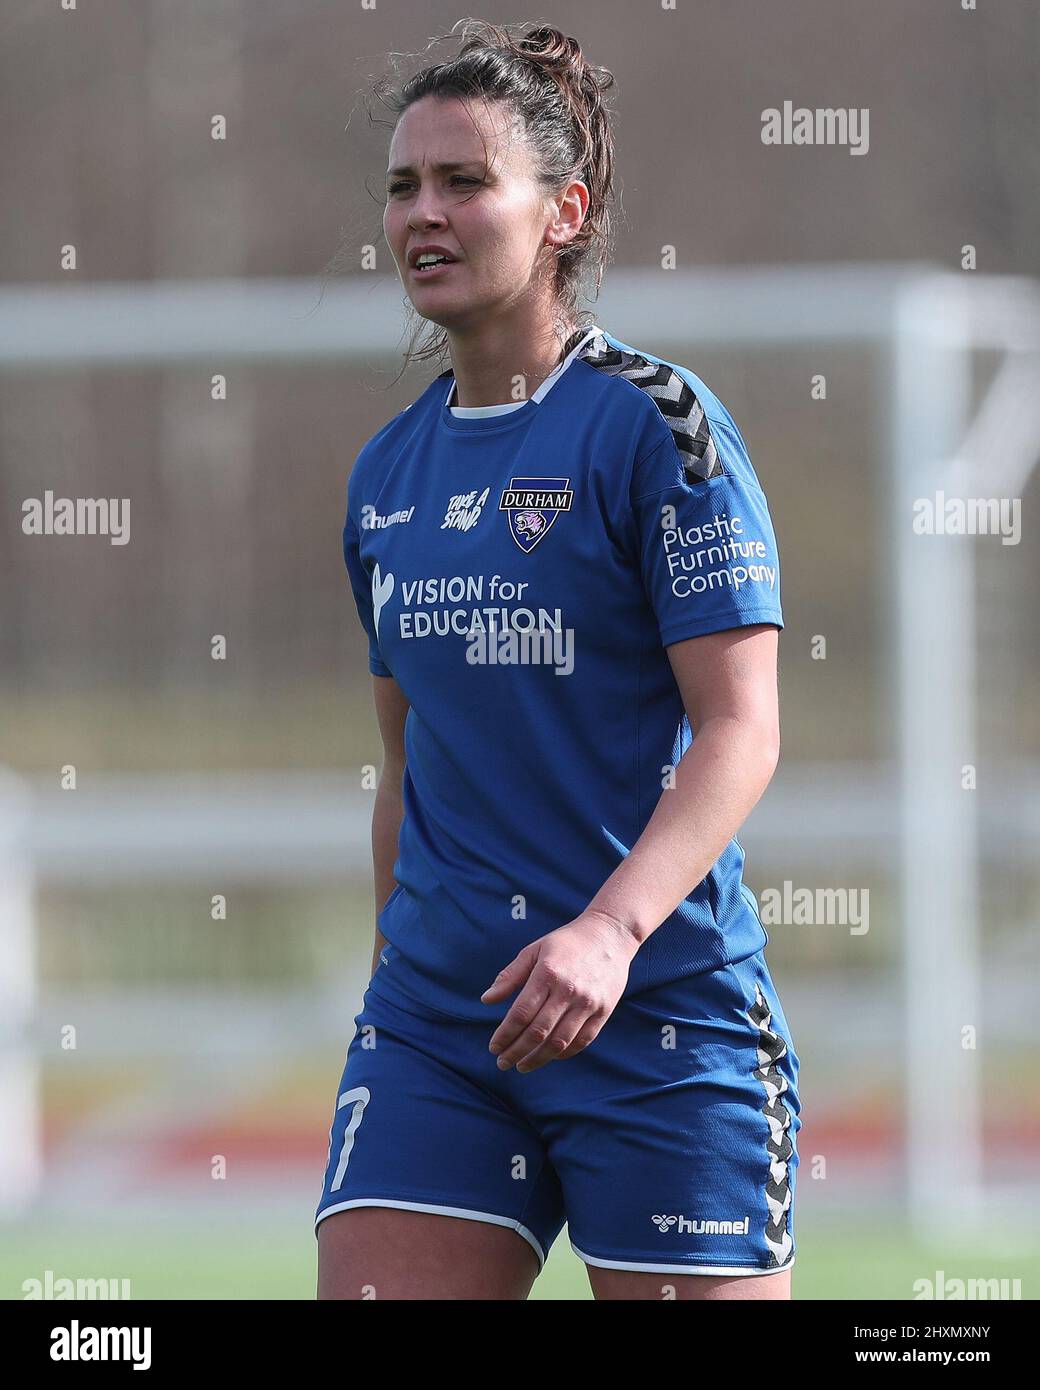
(532, 505)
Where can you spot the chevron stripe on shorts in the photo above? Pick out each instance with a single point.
(771, 1047)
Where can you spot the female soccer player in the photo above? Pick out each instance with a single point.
(565, 566)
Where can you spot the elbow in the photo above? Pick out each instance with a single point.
(769, 751)
(760, 748)
(391, 775)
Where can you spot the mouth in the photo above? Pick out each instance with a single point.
(433, 270)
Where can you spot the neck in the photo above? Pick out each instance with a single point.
(488, 362)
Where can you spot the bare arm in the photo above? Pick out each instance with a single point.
(391, 710)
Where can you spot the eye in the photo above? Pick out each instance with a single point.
(403, 184)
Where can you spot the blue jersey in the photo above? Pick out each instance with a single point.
(520, 575)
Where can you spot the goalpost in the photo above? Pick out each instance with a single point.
(939, 447)
(924, 326)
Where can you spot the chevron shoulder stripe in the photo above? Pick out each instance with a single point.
(674, 398)
(779, 1145)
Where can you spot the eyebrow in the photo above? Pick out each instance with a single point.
(443, 167)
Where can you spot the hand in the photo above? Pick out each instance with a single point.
(574, 977)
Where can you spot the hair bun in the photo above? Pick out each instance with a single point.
(553, 49)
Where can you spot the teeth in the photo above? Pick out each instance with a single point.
(431, 260)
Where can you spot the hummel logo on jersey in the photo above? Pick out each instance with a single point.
(371, 519)
(693, 1227)
(464, 510)
(533, 504)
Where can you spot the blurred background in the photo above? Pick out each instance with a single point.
(167, 1075)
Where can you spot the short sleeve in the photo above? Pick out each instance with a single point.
(707, 550)
(361, 583)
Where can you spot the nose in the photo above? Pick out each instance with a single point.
(424, 217)
(425, 210)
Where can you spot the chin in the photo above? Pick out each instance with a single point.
(444, 315)
(443, 318)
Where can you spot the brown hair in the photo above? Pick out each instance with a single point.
(544, 79)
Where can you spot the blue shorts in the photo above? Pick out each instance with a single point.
(667, 1145)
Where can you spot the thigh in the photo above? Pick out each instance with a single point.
(393, 1253)
(674, 1141)
(615, 1284)
(434, 1186)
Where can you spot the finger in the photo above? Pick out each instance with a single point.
(587, 1033)
(507, 981)
(532, 1031)
(557, 1043)
(523, 1009)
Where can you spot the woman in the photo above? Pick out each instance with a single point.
(563, 561)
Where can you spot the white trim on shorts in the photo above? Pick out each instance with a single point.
(738, 1271)
(462, 1212)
